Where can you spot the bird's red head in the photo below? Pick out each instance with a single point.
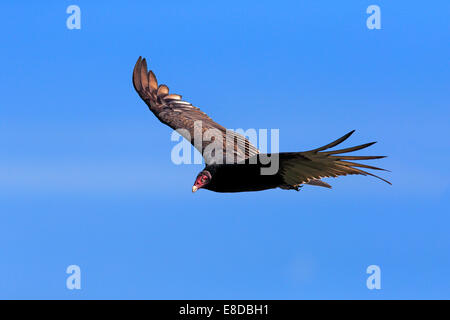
(202, 180)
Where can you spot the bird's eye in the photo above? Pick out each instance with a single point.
(203, 178)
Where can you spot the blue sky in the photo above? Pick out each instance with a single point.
(85, 170)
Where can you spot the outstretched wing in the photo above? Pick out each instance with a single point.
(297, 168)
(190, 121)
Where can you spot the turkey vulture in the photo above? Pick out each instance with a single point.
(244, 172)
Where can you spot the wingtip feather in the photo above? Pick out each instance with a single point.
(334, 143)
(152, 82)
(136, 75)
(143, 78)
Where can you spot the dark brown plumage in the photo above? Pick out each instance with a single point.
(244, 171)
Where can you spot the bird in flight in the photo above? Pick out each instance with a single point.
(245, 170)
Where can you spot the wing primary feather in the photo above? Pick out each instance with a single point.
(173, 96)
(362, 146)
(355, 164)
(371, 174)
(163, 90)
(136, 74)
(334, 143)
(152, 82)
(338, 157)
(143, 74)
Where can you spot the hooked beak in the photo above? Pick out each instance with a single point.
(194, 188)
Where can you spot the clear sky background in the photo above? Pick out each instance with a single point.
(85, 170)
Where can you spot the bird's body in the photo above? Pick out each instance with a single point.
(245, 171)
(248, 175)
